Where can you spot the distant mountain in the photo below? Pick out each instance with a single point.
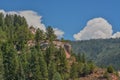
(103, 52)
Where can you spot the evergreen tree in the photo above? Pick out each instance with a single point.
(86, 70)
(57, 76)
(83, 58)
(74, 71)
(51, 70)
(50, 33)
(9, 62)
(50, 53)
(80, 69)
(39, 36)
(20, 70)
(34, 67)
(24, 58)
(43, 66)
(63, 65)
(110, 69)
(1, 66)
(91, 66)
(1, 19)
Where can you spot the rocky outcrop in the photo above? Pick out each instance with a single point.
(65, 45)
(57, 43)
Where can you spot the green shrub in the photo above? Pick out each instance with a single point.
(110, 69)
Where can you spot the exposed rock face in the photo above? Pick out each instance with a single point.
(32, 30)
(57, 43)
(66, 46)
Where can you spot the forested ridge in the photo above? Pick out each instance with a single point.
(103, 52)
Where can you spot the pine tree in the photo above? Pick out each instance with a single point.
(9, 62)
(20, 70)
(1, 19)
(83, 58)
(50, 33)
(35, 66)
(39, 36)
(74, 71)
(50, 52)
(63, 65)
(43, 66)
(110, 69)
(1, 66)
(86, 70)
(24, 58)
(51, 70)
(57, 76)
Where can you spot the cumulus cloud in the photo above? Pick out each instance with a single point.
(97, 28)
(116, 35)
(58, 32)
(33, 19)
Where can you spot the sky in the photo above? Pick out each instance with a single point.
(71, 19)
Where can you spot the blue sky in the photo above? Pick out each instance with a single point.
(71, 16)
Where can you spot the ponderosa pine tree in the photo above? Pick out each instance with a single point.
(39, 36)
(50, 33)
(1, 19)
(50, 51)
(9, 61)
(63, 65)
(43, 66)
(1, 66)
(57, 76)
(51, 70)
(74, 71)
(20, 70)
(34, 72)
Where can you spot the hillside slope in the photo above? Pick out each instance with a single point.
(103, 51)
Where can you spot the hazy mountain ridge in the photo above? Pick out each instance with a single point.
(102, 51)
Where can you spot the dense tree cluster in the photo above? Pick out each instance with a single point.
(81, 67)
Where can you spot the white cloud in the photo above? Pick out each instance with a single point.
(58, 32)
(33, 19)
(116, 35)
(95, 29)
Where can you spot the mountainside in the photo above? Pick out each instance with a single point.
(103, 52)
(27, 53)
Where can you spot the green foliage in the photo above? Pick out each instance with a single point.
(1, 19)
(106, 75)
(50, 33)
(81, 57)
(110, 69)
(86, 70)
(9, 61)
(57, 76)
(74, 71)
(34, 67)
(51, 70)
(39, 36)
(1, 66)
(92, 66)
(103, 51)
(43, 66)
